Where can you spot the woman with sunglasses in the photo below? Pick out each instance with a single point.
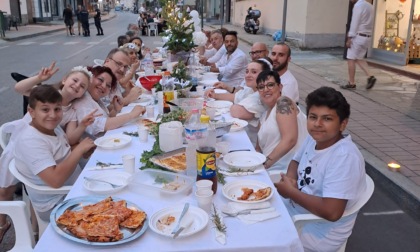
(282, 125)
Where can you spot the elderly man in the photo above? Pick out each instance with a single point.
(258, 50)
(280, 55)
(232, 64)
(218, 50)
(119, 62)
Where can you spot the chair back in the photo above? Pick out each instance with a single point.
(23, 231)
(152, 27)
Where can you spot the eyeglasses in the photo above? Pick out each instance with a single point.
(269, 86)
(121, 65)
(256, 52)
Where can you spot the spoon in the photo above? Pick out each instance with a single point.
(102, 181)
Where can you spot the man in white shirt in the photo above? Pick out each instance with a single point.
(232, 65)
(218, 49)
(280, 55)
(358, 41)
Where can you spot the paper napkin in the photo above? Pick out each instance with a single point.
(262, 211)
(105, 167)
(218, 235)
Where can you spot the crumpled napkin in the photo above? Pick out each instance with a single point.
(263, 212)
(218, 235)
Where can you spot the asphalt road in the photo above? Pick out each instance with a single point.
(381, 225)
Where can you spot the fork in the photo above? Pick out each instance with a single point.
(237, 213)
(102, 181)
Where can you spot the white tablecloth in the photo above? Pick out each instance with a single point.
(277, 234)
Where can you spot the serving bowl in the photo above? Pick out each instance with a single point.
(149, 81)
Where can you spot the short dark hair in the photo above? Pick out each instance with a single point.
(97, 70)
(289, 51)
(232, 33)
(121, 40)
(44, 94)
(264, 75)
(331, 98)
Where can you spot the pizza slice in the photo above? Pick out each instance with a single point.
(70, 218)
(119, 209)
(102, 228)
(247, 192)
(262, 193)
(135, 220)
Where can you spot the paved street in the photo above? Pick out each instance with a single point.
(383, 224)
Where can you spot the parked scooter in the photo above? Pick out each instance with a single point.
(252, 24)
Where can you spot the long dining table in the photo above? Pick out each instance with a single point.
(276, 234)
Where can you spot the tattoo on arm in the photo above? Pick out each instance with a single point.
(284, 106)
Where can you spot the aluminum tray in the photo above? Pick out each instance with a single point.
(156, 159)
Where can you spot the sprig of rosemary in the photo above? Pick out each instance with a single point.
(221, 178)
(134, 134)
(234, 170)
(215, 217)
(102, 164)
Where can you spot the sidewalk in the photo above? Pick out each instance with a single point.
(384, 121)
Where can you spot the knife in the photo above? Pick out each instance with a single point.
(183, 227)
(184, 211)
(239, 150)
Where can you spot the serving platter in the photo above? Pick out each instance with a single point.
(157, 160)
(76, 204)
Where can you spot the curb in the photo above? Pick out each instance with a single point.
(46, 32)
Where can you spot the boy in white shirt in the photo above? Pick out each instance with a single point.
(327, 175)
(42, 153)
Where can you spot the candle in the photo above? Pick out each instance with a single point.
(394, 167)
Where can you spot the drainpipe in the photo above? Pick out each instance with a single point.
(283, 28)
(222, 15)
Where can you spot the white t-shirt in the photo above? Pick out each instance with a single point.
(34, 152)
(232, 67)
(86, 105)
(269, 137)
(208, 53)
(336, 172)
(290, 86)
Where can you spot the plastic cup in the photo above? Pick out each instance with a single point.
(211, 112)
(222, 147)
(204, 184)
(150, 111)
(128, 163)
(204, 199)
(143, 133)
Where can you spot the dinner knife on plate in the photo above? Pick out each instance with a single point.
(184, 211)
(183, 227)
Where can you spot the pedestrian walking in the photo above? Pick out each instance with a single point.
(97, 19)
(84, 15)
(68, 19)
(79, 19)
(358, 41)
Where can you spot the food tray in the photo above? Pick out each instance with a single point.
(161, 180)
(156, 159)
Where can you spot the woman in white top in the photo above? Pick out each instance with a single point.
(282, 126)
(247, 105)
(103, 82)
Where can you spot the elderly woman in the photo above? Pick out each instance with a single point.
(247, 105)
(103, 82)
(282, 126)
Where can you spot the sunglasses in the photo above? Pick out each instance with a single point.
(269, 86)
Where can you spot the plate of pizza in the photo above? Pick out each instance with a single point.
(247, 191)
(100, 221)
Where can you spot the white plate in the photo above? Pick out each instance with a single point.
(233, 190)
(143, 100)
(208, 83)
(219, 104)
(200, 218)
(220, 91)
(113, 142)
(238, 124)
(118, 178)
(245, 160)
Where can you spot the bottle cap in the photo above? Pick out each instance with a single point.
(205, 119)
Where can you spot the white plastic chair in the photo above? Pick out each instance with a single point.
(42, 225)
(152, 27)
(17, 211)
(4, 137)
(302, 219)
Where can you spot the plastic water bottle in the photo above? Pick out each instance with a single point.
(194, 131)
(148, 65)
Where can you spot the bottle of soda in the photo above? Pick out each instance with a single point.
(206, 154)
